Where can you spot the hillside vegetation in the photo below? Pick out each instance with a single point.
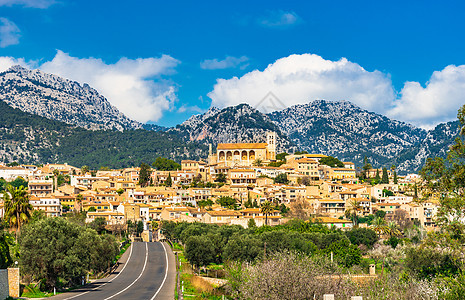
(28, 138)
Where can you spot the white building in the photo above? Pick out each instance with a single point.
(11, 173)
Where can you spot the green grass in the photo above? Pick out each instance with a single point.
(125, 247)
(31, 291)
(177, 246)
(201, 289)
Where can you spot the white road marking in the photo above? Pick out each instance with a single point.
(127, 261)
(140, 275)
(166, 272)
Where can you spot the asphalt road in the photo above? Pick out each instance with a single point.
(146, 271)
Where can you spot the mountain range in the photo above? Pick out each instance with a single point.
(336, 128)
(53, 97)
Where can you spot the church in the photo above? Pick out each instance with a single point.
(245, 154)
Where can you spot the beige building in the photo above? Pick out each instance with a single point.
(98, 205)
(245, 154)
(131, 174)
(345, 174)
(338, 223)
(62, 168)
(242, 176)
(220, 217)
(196, 167)
(182, 214)
(86, 181)
(331, 207)
(389, 208)
(111, 217)
(40, 187)
(51, 206)
(307, 167)
(291, 158)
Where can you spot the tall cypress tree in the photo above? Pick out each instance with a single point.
(385, 178)
(377, 179)
(169, 181)
(144, 174)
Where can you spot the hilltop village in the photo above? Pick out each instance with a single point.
(228, 188)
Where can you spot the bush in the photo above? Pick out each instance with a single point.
(287, 275)
(199, 251)
(243, 248)
(393, 241)
(55, 248)
(346, 253)
(427, 262)
(5, 258)
(362, 236)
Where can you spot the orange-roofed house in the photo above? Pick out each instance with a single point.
(221, 216)
(242, 176)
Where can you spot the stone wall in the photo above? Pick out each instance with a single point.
(3, 284)
(13, 282)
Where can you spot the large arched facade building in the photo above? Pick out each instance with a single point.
(246, 154)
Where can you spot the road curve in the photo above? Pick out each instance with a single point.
(146, 271)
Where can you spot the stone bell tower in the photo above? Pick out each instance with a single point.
(271, 147)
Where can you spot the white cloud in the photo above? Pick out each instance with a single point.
(228, 62)
(279, 19)
(9, 33)
(184, 108)
(6, 62)
(301, 78)
(437, 102)
(134, 86)
(28, 3)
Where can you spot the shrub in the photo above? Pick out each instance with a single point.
(429, 262)
(362, 236)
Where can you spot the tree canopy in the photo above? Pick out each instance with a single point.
(144, 174)
(165, 164)
(281, 156)
(208, 243)
(331, 161)
(445, 178)
(61, 252)
(228, 202)
(281, 178)
(221, 178)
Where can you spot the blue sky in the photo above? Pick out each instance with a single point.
(159, 61)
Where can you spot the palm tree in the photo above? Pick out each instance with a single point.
(379, 225)
(84, 170)
(393, 230)
(17, 207)
(55, 178)
(266, 208)
(258, 163)
(354, 208)
(79, 199)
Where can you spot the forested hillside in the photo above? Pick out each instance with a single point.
(28, 138)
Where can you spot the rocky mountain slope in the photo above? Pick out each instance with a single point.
(342, 129)
(55, 98)
(436, 143)
(235, 124)
(28, 138)
(336, 128)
